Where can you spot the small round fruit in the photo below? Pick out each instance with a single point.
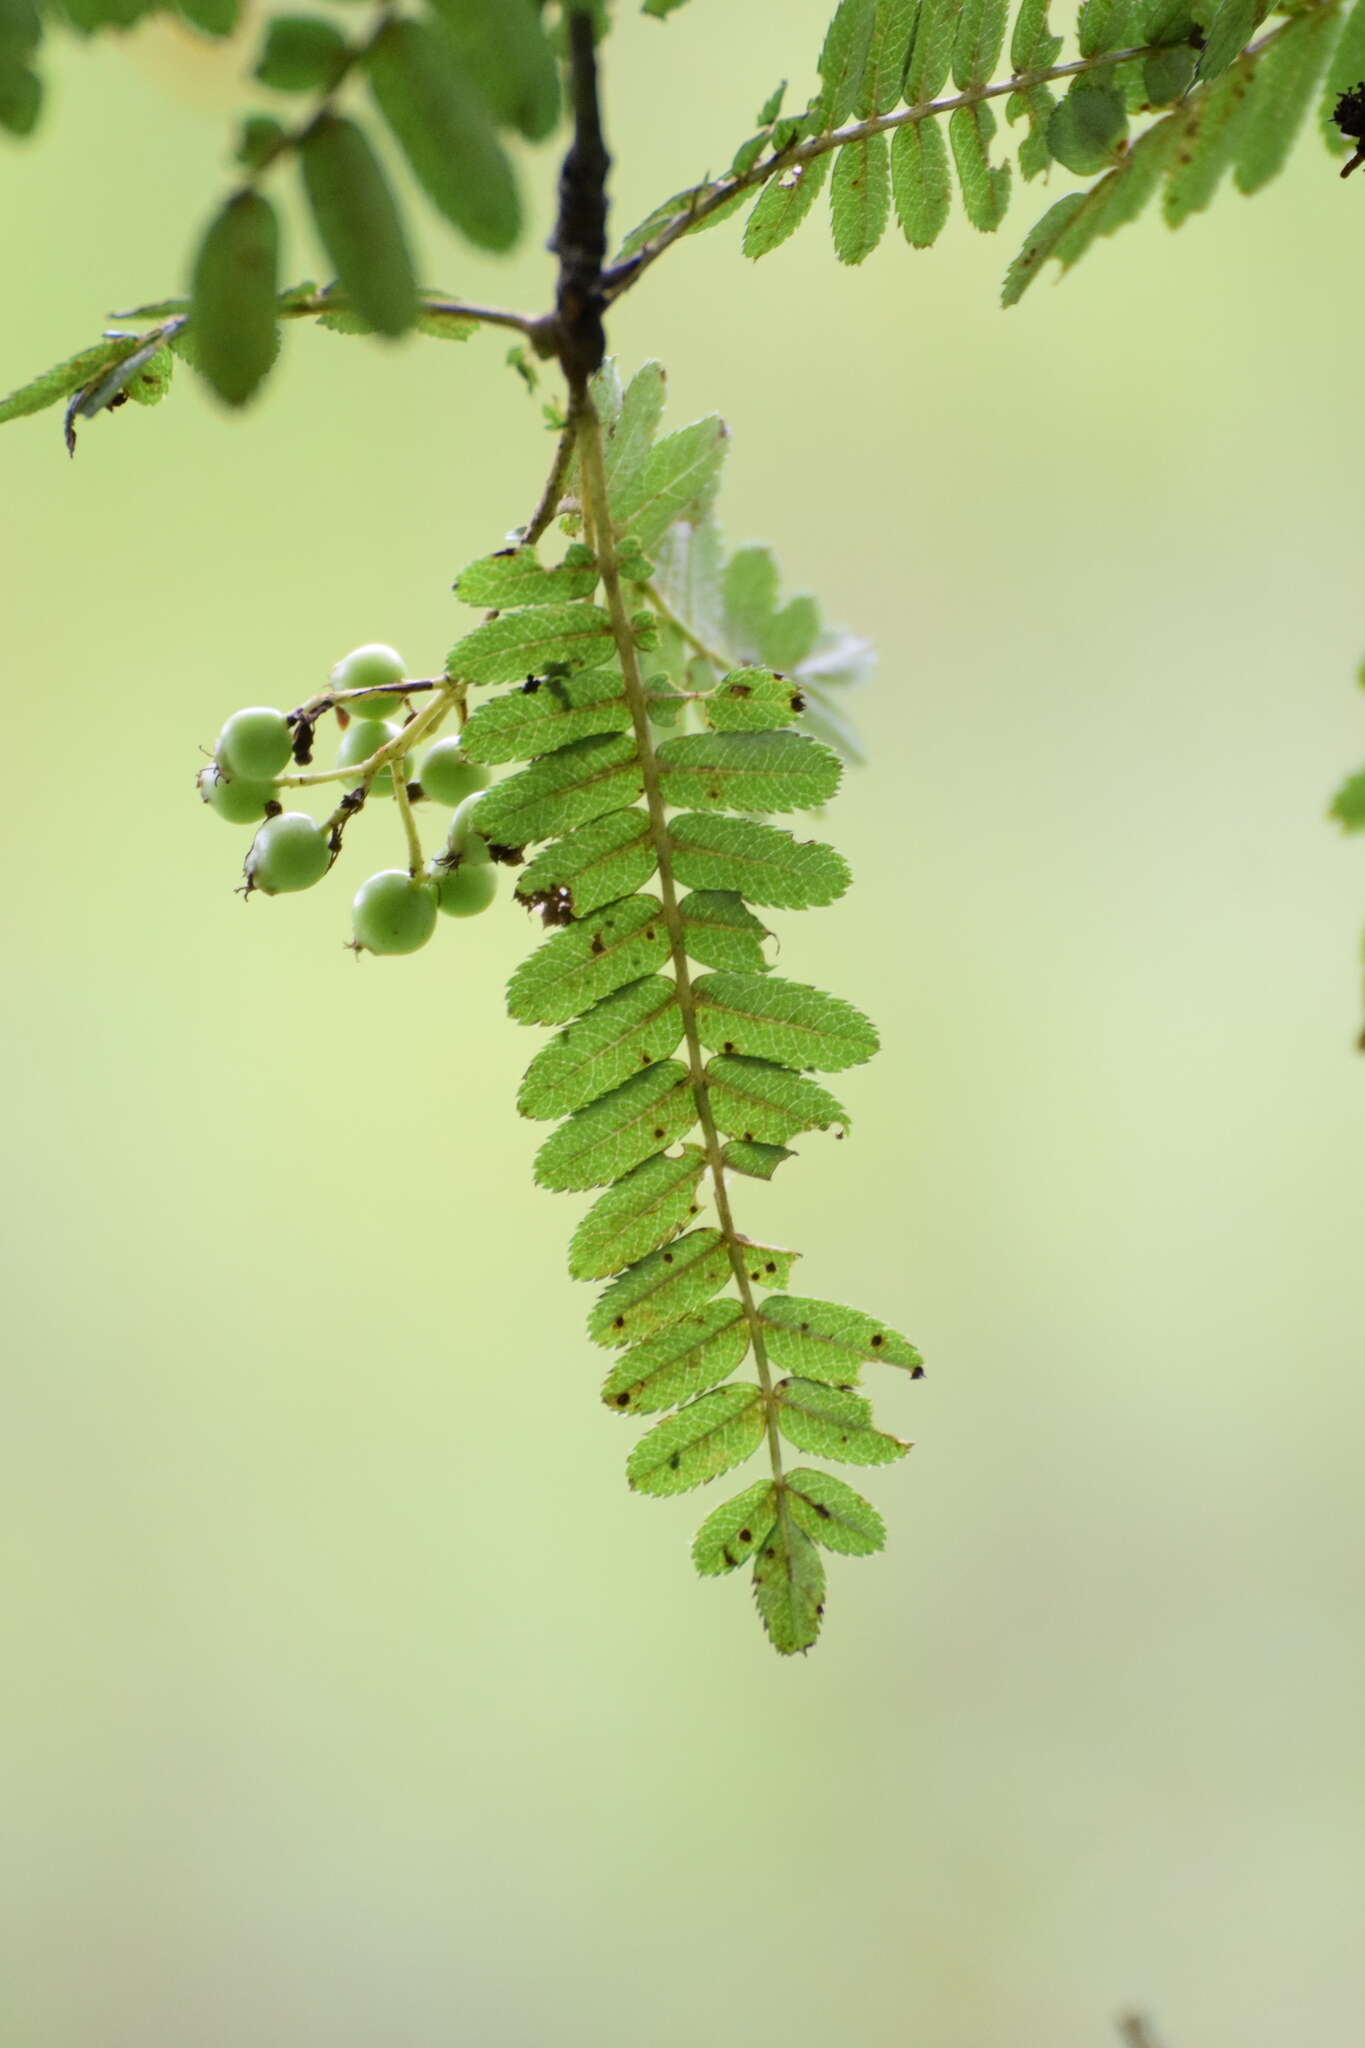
(289, 852)
(363, 737)
(463, 838)
(369, 668)
(394, 912)
(241, 803)
(465, 890)
(447, 776)
(254, 744)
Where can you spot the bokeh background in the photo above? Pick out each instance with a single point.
(352, 1698)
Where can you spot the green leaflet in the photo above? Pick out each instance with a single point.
(692, 1354)
(658, 1289)
(659, 216)
(1280, 97)
(1039, 104)
(766, 1264)
(358, 223)
(979, 40)
(21, 94)
(833, 1422)
(1168, 74)
(790, 634)
(762, 863)
(719, 931)
(210, 17)
(1033, 47)
(921, 183)
(1088, 128)
(443, 131)
(590, 960)
(1067, 229)
(733, 1531)
(64, 378)
(789, 1589)
(651, 1110)
(632, 437)
(678, 480)
(766, 1018)
(153, 381)
(1107, 25)
(1232, 27)
(888, 52)
(1348, 805)
(570, 787)
(636, 1216)
(860, 198)
(233, 307)
(985, 187)
(843, 60)
(752, 700)
(626, 1031)
(611, 857)
(759, 1162)
(755, 1100)
(932, 54)
(543, 715)
(1345, 71)
(704, 1439)
(525, 643)
(782, 205)
(747, 771)
(749, 592)
(828, 1510)
(517, 577)
(1209, 137)
(301, 53)
(502, 47)
(822, 1340)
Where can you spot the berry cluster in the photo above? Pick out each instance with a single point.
(372, 699)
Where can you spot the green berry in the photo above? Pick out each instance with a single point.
(394, 912)
(254, 745)
(241, 803)
(363, 737)
(465, 890)
(463, 837)
(446, 776)
(289, 852)
(369, 668)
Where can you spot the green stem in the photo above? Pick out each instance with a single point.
(718, 661)
(597, 513)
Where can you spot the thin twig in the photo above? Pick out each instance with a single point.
(553, 492)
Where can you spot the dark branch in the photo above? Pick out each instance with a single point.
(580, 236)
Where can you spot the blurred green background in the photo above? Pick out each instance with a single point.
(353, 1700)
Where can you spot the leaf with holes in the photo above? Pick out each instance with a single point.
(642, 1211)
